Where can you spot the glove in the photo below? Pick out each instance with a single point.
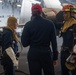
(11, 54)
(74, 49)
(71, 62)
(17, 55)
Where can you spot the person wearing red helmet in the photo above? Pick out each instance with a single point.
(39, 34)
(67, 30)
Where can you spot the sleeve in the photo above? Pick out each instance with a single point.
(74, 33)
(8, 38)
(54, 42)
(25, 37)
(15, 46)
(74, 28)
(58, 25)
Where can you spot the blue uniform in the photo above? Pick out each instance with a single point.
(39, 34)
(67, 47)
(8, 41)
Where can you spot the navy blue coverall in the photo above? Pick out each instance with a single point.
(39, 34)
(8, 41)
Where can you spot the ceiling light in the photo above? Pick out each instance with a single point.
(18, 5)
(0, 1)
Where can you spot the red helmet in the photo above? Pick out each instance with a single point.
(67, 7)
(36, 7)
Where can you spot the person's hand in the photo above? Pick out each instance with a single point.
(55, 62)
(18, 54)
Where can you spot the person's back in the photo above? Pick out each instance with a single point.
(5, 34)
(39, 33)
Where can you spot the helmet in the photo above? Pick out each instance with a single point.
(68, 7)
(36, 7)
